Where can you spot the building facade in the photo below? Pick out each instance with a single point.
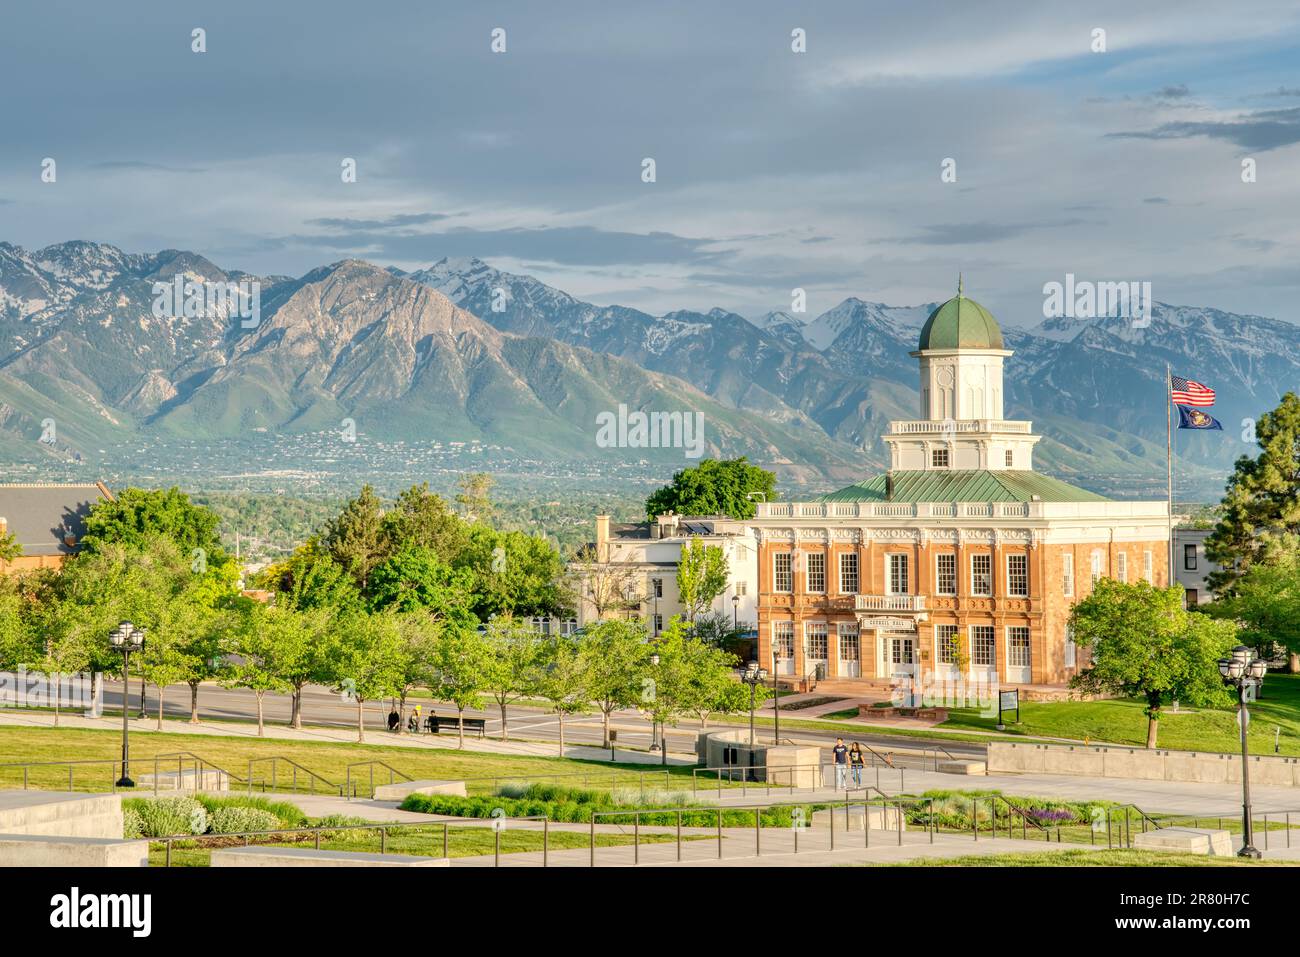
(1191, 568)
(960, 562)
(634, 572)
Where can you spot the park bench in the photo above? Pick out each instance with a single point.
(437, 724)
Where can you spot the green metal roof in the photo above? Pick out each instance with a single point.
(964, 486)
(961, 323)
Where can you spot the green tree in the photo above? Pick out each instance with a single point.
(421, 519)
(1265, 601)
(167, 659)
(702, 575)
(1260, 513)
(367, 660)
(355, 537)
(714, 487)
(475, 497)
(690, 678)
(10, 547)
(515, 658)
(415, 578)
(563, 679)
(615, 656)
(514, 573)
(138, 516)
(462, 664)
(1142, 643)
(311, 578)
(254, 639)
(419, 633)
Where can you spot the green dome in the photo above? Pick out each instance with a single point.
(961, 323)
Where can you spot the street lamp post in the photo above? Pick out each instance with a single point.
(735, 614)
(656, 743)
(126, 638)
(1245, 673)
(776, 696)
(753, 676)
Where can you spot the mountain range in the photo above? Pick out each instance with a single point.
(462, 352)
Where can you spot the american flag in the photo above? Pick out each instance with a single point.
(1187, 392)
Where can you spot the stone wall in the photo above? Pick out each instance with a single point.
(1139, 763)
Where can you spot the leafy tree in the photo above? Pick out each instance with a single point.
(311, 578)
(615, 656)
(514, 659)
(1260, 513)
(166, 659)
(1144, 644)
(462, 664)
(702, 576)
(136, 517)
(514, 573)
(355, 537)
(421, 519)
(302, 653)
(563, 679)
(415, 578)
(690, 678)
(10, 547)
(206, 652)
(19, 642)
(419, 633)
(255, 638)
(367, 660)
(1265, 601)
(714, 487)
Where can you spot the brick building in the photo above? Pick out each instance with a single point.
(961, 561)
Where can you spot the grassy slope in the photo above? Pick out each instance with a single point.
(1122, 722)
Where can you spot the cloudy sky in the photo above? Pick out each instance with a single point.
(774, 169)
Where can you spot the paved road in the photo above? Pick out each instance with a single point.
(321, 706)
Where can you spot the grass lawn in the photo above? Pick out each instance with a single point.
(1079, 858)
(1122, 722)
(328, 759)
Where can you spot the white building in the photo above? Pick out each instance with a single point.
(1191, 567)
(640, 559)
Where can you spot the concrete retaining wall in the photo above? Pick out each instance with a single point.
(61, 813)
(39, 850)
(308, 857)
(1141, 764)
(400, 789)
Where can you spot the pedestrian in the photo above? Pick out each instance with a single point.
(841, 754)
(393, 720)
(856, 761)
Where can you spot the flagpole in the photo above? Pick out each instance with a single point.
(1169, 466)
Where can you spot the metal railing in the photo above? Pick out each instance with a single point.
(310, 777)
(719, 814)
(276, 836)
(636, 780)
(350, 790)
(186, 763)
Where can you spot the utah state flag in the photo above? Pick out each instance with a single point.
(1192, 418)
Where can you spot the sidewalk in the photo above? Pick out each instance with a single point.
(338, 735)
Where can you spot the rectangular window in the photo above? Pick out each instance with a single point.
(946, 644)
(897, 583)
(1067, 575)
(1071, 651)
(939, 458)
(981, 575)
(569, 627)
(983, 646)
(1193, 599)
(1147, 567)
(945, 574)
(741, 589)
(848, 640)
(1189, 558)
(848, 573)
(659, 624)
(783, 639)
(1018, 576)
(1018, 646)
(816, 571)
(814, 640)
(1010, 458)
(782, 580)
(1096, 568)
(1121, 567)
(658, 584)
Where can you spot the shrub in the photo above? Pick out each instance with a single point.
(234, 819)
(285, 813)
(132, 823)
(163, 817)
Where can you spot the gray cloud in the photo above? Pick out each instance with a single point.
(1262, 130)
(391, 222)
